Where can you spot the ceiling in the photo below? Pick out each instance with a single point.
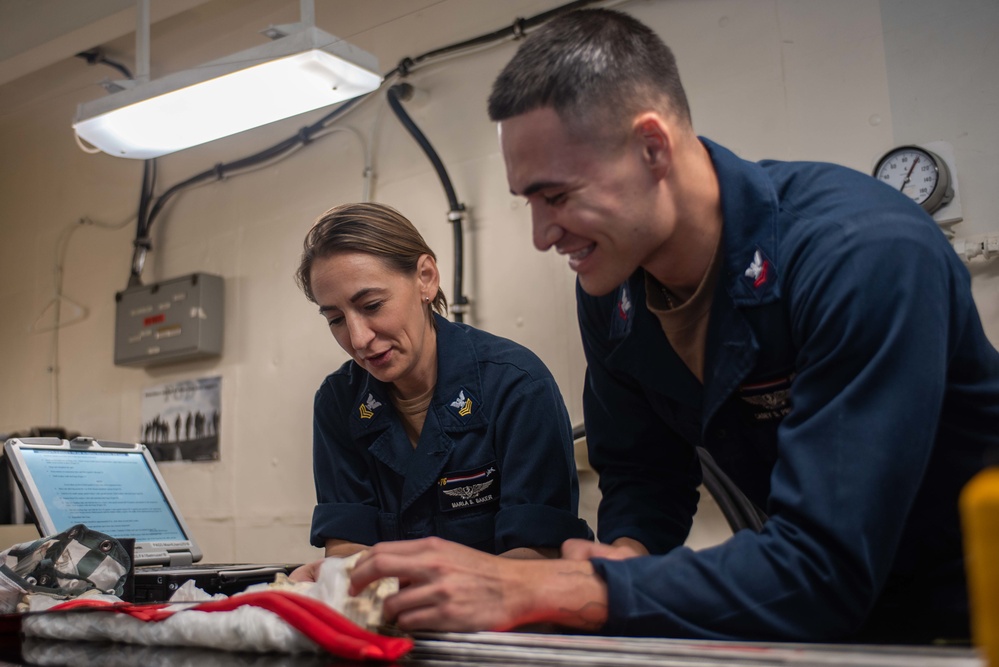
(37, 33)
(39, 38)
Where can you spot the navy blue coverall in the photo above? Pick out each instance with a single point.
(493, 468)
(849, 390)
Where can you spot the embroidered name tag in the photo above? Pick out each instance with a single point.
(469, 488)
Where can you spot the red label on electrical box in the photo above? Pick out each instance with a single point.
(155, 319)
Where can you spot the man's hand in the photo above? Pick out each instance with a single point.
(443, 585)
(449, 587)
(623, 548)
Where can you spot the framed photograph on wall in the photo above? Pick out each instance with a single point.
(180, 421)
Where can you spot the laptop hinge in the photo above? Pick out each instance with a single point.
(180, 560)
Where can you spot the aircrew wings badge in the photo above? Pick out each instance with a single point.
(469, 489)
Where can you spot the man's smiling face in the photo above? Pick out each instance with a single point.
(591, 199)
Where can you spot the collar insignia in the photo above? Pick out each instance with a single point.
(367, 409)
(758, 269)
(624, 312)
(463, 404)
(624, 304)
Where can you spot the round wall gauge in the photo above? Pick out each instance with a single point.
(918, 173)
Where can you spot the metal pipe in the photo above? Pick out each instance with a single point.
(307, 9)
(142, 41)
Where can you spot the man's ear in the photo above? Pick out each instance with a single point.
(429, 276)
(655, 139)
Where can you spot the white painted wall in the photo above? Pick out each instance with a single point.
(790, 79)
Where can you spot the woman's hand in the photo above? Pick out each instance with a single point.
(623, 548)
(334, 548)
(307, 572)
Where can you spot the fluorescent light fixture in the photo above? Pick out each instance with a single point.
(300, 72)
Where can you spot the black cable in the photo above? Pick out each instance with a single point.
(516, 30)
(141, 244)
(146, 196)
(118, 66)
(737, 509)
(394, 95)
(219, 171)
(459, 302)
(96, 56)
(405, 91)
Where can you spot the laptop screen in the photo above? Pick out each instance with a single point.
(113, 488)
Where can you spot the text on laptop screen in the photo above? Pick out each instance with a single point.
(111, 492)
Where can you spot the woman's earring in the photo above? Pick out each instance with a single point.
(427, 299)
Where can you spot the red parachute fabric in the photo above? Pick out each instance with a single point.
(323, 625)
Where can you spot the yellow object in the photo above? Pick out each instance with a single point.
(980, 523)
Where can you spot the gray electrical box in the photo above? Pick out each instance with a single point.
(174, 320)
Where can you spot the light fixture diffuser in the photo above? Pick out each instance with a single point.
(300, 72)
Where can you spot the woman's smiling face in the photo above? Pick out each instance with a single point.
(380, 317)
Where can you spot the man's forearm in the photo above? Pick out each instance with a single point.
(568, 593)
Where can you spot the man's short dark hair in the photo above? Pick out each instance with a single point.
(591, 66)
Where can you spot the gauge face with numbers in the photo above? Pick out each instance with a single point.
(917, 173)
